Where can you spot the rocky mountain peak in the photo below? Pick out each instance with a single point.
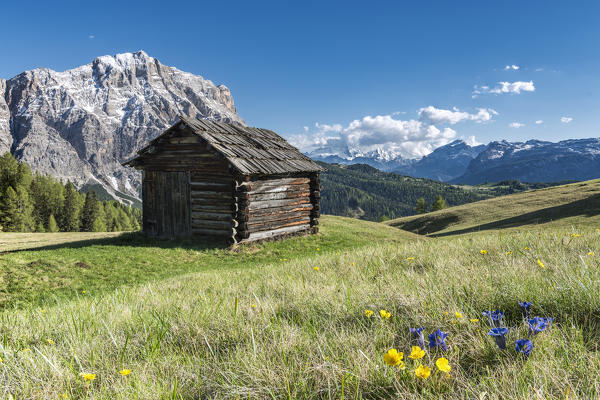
(80, 124)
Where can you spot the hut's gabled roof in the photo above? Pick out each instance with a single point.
(250, 151)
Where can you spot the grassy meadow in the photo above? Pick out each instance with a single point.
(574, 204)
(262, 322)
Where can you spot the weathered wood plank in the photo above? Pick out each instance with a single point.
(277, 224)
(205, 194)
(213, 216)
(276, 232)
(254, 205)
(279, 210)
(278, 196)
(283, 215)
(206, 224)
(266, 185)
(215, 232)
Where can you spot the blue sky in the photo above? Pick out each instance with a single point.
(361, 70)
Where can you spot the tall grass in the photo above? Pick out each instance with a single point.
(284, 330)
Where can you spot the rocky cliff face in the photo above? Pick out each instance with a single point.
(82, 123)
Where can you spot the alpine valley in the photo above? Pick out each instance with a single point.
(81, 124)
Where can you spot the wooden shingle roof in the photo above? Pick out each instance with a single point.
(252, 151)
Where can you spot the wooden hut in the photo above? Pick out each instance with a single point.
(226, 181)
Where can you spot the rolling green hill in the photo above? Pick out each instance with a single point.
(362, 191)
(576, 203)
(130, 318)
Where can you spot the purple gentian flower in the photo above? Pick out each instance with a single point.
(538, 324)
(494, 317)
(438, 339)
(418, 336)
(498, 334)
(524, 346)
(525, 305)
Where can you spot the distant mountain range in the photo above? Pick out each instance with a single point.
(458, 162)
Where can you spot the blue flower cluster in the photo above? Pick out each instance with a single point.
(498, 331)
(436, 339)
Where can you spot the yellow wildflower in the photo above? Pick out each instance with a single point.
(50, 341)
(575, 235)
(458, 315)
(317, 249)
(87, 377)
(591, 253)
(384, 314)
(368, 313)
(26, 350)
(64, 396)
(484, 252)
(253, 305)
(416, 353)
(393, 357)
(83, 291)
(316, 269)
(540, 263)
(527, 248)
(125, 372)
(422, 372)
(442, 364)
(352, 263)
(43, 310)
(445, 312)
(474, 320)
(508, 253)
(410, 259)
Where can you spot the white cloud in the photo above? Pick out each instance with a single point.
(516, 124)
(505, 87)
(436, 115)
(91, 37)
(566, 120)
(412, 138)
(539, 121)
(471, 141)
(513, 67)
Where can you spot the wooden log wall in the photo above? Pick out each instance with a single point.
(213, 206)
(273, 207)
(166, 208)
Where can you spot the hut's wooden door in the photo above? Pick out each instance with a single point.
(167, 203)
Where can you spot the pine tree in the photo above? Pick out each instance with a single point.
(70, 214)
(135, 225)
(9, 210)
(52, 225)
(40, 228)
(438, 204)
(114, 225)
(15, 213)
(124, 220)
(421, 206)
(92, 210)
(98, 225)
